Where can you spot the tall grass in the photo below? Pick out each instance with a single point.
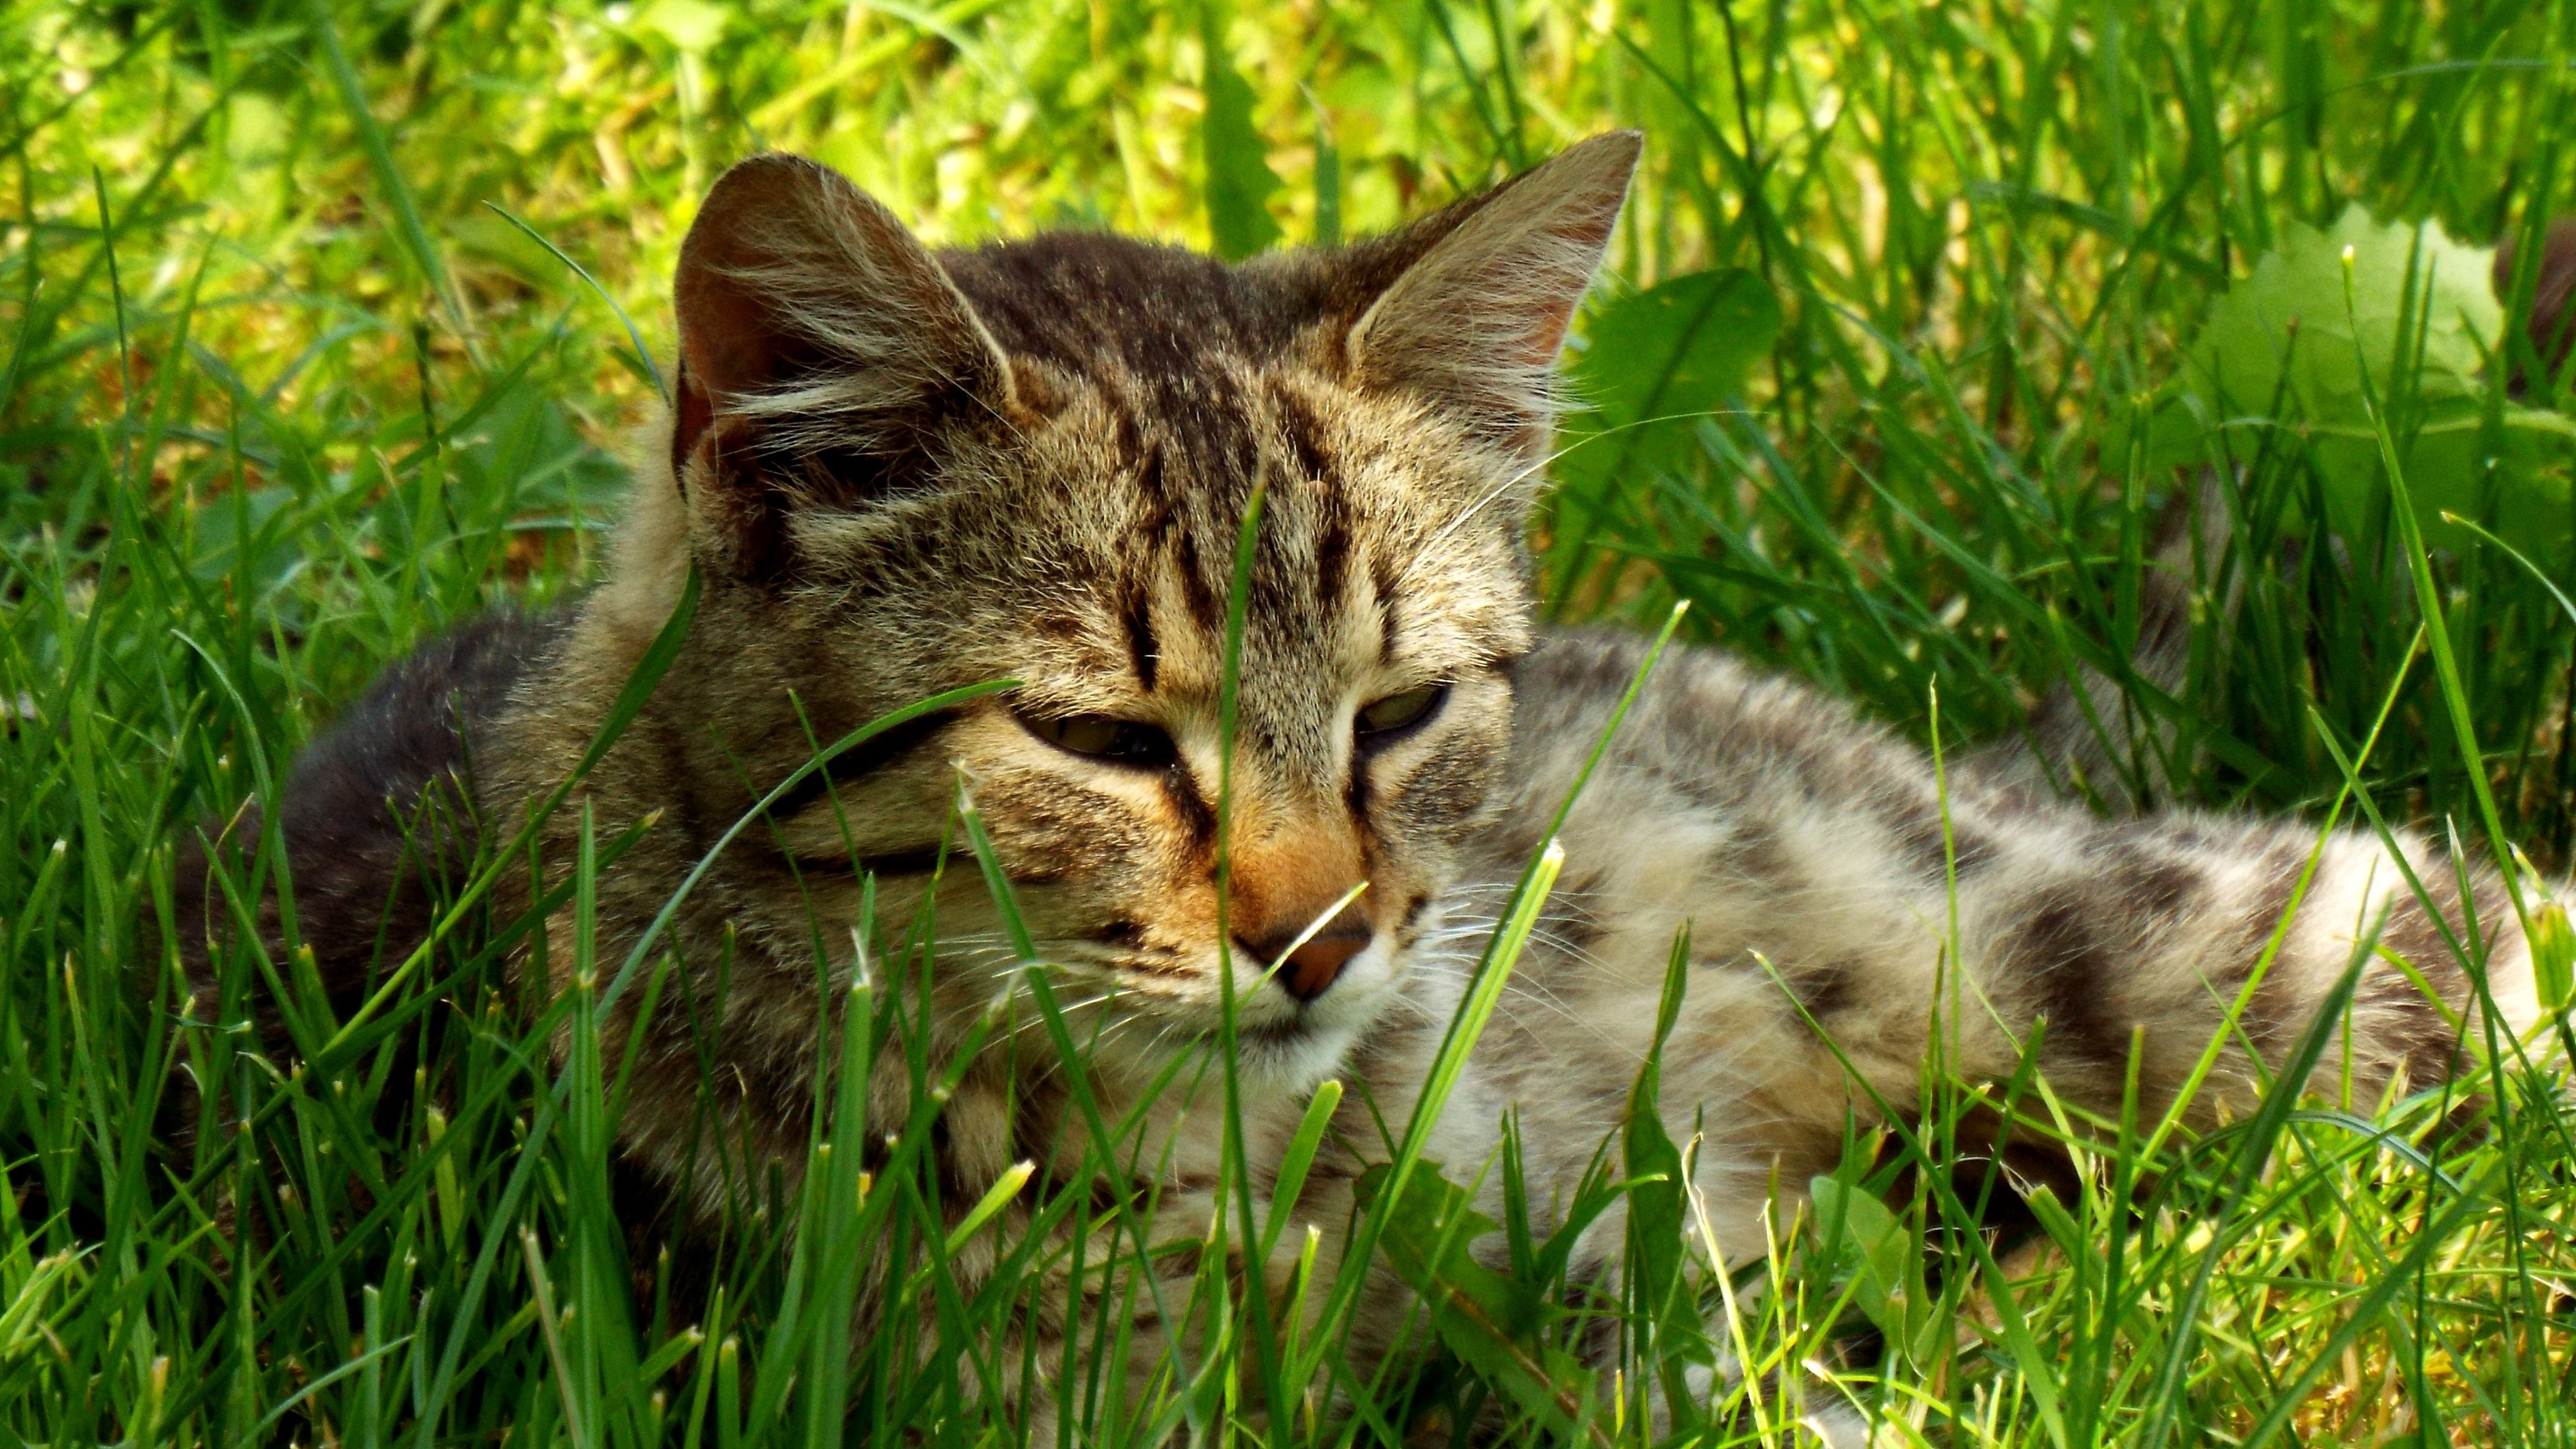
(284, 389)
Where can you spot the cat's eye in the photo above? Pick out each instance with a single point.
(1103, 737)
(1387, 720)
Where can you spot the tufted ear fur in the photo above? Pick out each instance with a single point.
(823, 355)
(1477, 320)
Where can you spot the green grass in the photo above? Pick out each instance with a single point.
(280, 394)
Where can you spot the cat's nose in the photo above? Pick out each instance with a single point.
(1311, 969)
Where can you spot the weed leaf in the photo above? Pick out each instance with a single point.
(1239, 180)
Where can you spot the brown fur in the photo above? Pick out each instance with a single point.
(899, 474)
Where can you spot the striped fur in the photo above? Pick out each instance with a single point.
(900, 473)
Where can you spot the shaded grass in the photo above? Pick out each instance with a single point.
(279, 396)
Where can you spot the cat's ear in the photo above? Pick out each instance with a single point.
(1477, 319)
(824, 354)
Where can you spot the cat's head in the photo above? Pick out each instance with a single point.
(901, 473)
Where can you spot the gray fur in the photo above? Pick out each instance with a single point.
(900, 473)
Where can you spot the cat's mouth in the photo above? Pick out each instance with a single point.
(1154, 1009)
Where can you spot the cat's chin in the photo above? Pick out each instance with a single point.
(1293, 1054)
(1272, 1056)
(1292, 1059)
(1275, 1053)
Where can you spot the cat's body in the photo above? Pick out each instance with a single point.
(899, 476)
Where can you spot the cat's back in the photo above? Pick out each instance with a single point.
(374, 809)
(1766, 816)
(1707, 735)
(1758, 815)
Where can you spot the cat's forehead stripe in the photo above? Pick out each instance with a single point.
(1312, 456)
(1136, 621)
(1184, 497)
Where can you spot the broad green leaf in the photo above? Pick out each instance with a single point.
(2290, 316)
(1488, 1319)
(1858, 1235)
(1656, 363)
(693, 26)
(2290, 345)
(1427, 1236)
(1239, 180)
(1657, 1227)
(1652, 367)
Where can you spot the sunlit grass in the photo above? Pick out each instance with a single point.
(280, 394)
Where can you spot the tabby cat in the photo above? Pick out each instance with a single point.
(897, 472)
